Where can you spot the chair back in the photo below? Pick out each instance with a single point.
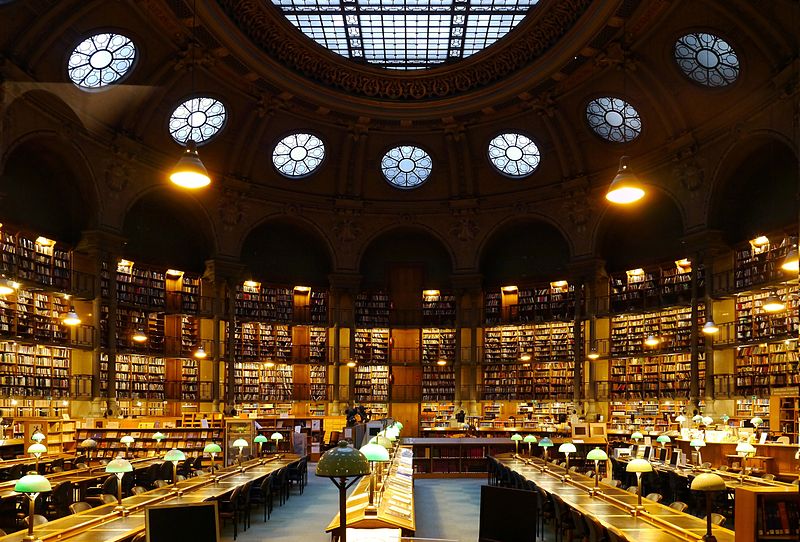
(717, 519)
(79, 506)
(680, 506)
(37, 520)
(657, 497)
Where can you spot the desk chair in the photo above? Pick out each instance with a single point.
(656, 497)
(716, 519)
(37, 520)
(680, 506)
(79, 506)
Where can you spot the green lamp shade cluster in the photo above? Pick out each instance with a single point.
(697, 443)
(89, 443)
(567, 448)
(174, 455)
(546, 442)
(119, 465)
(159, 436)
(240, 443)
(380, 440)
(708, 481)
(374, 452)
(639, 465)
(260, 439)
(529, 438)
(597, 455)
(127, 439)
(342, 462)
(32, 483)
(37, 448)
(516, 436)
(212, 448)
(663, 439)
(637, 436)
(38, 436)
(276, 436)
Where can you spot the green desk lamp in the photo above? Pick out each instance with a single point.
(399, 425)
(127, 440)
(119, 466)
(708, 420)
(709, 483)
(339, 464)
(158, 436)
(516, 437)
(381, 440)
(698, 443)
(174, 456)
(531, 440)
(697, 418)
(212, 449)
(375, 453)
(663, 440)
(260, 440)
(545, 443)
(639, 466)
(31, 485)
(393, 433)
(36, 450)
(637, 436)
(597, 455)
(757, 422)
(744, 449)
(88, 444)
(241, 444)
(567, 448)
(277, 437)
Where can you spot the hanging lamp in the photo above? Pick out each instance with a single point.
(139, 336)
(773, 303)
(626, 187)
(710, 328)
(791, 262)
(71, 318)
(190, 172)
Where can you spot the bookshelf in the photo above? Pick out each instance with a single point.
(137, 376)
(789, 417)
(659, 286)
(647, 416)
(372, 309)
(438, 309)
(140, 286)
(438, 381)
(758, 262)
(28, 370)
(318, 305)
(371, 383)
(246, 381)
(190, 440)
(672, 327)
(371, 346)
(761, 367)
(257, 341)
(754, 324)
(255, 301)
(276, 382)
(182, 292)
(750, 407)
(36, 259)
(190, 380)
(767, 513)
(436, 414)
(34, 316)
(653, 376)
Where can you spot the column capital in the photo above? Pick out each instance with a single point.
(221, 269)
(101, 240)
(709, 243)
(345, 281)
(589, 269)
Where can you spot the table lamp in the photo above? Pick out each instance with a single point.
(31, 485)
(680, 419)
(709, 483)
(127, 440)
(697, 418)
(158, 436)
(339, 464)
(375, 453)
(38, 436)
(744, 449)
(119, 466)
(241, 444)
(597, 455)
(212, 449)
(88, 444)
(698, 443)
(277, 437)
(708, 420)
(174, 456)
(545, 443)
(393, 433)
(530, 439)
(36, 450)
(381, 440)
(516, 437)
(639, 466)
(637, 436)
(260, 440)
(757, 422)
(566, 449)
(663, 440)
(725, 418)
(399, 425)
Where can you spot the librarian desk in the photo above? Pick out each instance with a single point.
(780, 457)
(613, 509)
(103, 524)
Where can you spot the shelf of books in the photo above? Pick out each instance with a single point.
(137, 376)
(137, 331)
(371, 346)
(371, 383)
(541, 415)
(548, 303)
(182, 292)
(754, 324)
(189, 440)
(752, 407)
(654, 376)
(767, 513)
(440, 457)
(761, 367)
(277, 382)
(140, 286)
(436, 414)
(35, 316)
(671, 329)
(318, 306)
(660, 286)
(190, 379)
(438, 358)
(28, 370)
(32, 258)
(256, 340)
(789, 417)
(255, 301)
(759, 261)
(647, 416)
(372, 309)
(438, 309)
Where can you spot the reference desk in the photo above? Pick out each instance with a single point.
(614, 507)
(103, 524)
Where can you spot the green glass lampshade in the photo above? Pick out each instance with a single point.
(529, 438)
(158, 436)
(240, 443)
(32, 483)
(37, 448)
(697, 443)
(212, 448)
(127, 439)
(382, 441)
(374, 452)
(639, 465)
(516, 436)
(399, 425)
(174, 455)
(663, 439)
(119, 465)
(725, 418)
(260, 439)
(745, 448)
(708, 481)
(697, 418)
(708, 420)
(680, 418)
(392, 433)
(38, 436)
(276, 436)
(342, 462)
(756, 421)
(637, 436)
(89, 443)
(545, 442)
(567, 448)
(597, 455)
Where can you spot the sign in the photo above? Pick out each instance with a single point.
(792, 391)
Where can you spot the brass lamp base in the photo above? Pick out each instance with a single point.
(371, 511)
(31, 538)
(122, 510)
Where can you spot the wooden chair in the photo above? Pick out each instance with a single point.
(37, 520)
(632, 489)
(141, 537)
(230, 510)
(138, 490)
(768, 477)
(680, 506)
(261, 495)
(657, 497)
(716, 519)
(79, 506)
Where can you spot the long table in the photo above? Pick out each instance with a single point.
(614, 507)
(104, 524)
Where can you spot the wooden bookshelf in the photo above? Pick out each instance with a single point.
(28, 370)
(34, 316)
(137, 376)
(751, 407)
(757, 264)
(761, 367)
(647, 416)
(672, 327)
(31, 258)
(371, 346)
(438, 309)
(665, 375)
(255, 301)
(261, 341)
(190, 440)
(650, 288)
(753, 324)
(438, 381)
(372, 309)
(767, 513)
(436, 414)
(789, 417)
(371, 383)
(140, 286)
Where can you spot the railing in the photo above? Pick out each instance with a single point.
(724, 386)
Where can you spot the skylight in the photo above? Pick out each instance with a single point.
(405, 34)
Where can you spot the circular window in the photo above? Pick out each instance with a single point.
(198, 119)
(514, 155)
(707, 59)
(298, 155)
(100, 60)
(614, 119)
(406, 166)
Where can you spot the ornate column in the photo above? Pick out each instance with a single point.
(469, 294)
(343, 289)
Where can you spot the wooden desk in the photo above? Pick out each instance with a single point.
(613, 509)
(717, 453)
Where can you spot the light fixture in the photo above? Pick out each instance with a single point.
(127, 440)
(375, 453)
(744, 449)
(190, 172)
(663, 440)
(269, 364)
(119, 466)
(200, 353)
(212, 449)
(158, 436)
(707, 420)
(530, 439)
(71, 318)
(36, 450)
(139, 336)
(567, 448)
(38, 436)
(430, 293)
(31, 485)
(302, 289)
(626, 187)
(339, 464)
(260, 440)
(241, 444)
(383, 441)
(175, 456)
(760, 241)
(709, 483)
(710, 328)
(791, 262)
(773, 303)
(597, 455)
(277, 437)
(44, 241)
(175, 273)
(516, 437)
(525, 357)
(251, 284)
(7, 287)
(680, 419)
(88, 444)
(639, 466)
(441, 362)
(509, 289)
(351, 364)
(637, 436)
(756, 421)
(651, 340)
(698, 443)
(545, 443)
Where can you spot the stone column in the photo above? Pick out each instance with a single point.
(343, 289)
(469, 299)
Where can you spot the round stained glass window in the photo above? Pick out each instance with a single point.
(298, 155)
(514, 155)
(614, 119)
(198, 119)
(406, 166)
(100, 60)
(707, 59)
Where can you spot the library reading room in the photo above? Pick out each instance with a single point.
(399, 270)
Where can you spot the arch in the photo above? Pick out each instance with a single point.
(289, 251)
(48, 186)
(755, 188)
(406, 246)
(646, 232)
(524, 250)
(190, 239)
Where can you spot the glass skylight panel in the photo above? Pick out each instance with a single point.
(707, 59)
(298, 155)
(514, 155)
(198, 119)
(405, 34)
(101, 60)
(406, 166)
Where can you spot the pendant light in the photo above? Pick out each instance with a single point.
(200, 353)
(651, 340)
(626, 187)
(710, 328)
(139, 336)
(791, 262)
(593, 354)
(71, 318)
(7, 286)
(773, 303)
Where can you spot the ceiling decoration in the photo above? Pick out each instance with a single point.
(707, 59)
(266, 26)
(406, 166)
(614, 119)
(514, 155)
(298, 155)
(411, 34)
(101, 60)
(198, 119)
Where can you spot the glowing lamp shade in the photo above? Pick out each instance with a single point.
(651, 340)
(174, 455)
(260, 439)
(6, 288)
(276, 436)
(212, 448)
(597, 454)
(626, 187)
(593, 354)
(37, 449)
(708, 420)
(791, 262)
(200, 353)
(516, 437)
(392, 433)
(567, 448)
(756, 421)
(725, 418)
(32, 484)
(639, 465)
(158, 436)
(773, 303)
(127, 440)
(399, 425)
(530, 439)
(709, 328)
(88, 443)
(697, 418)
(71, 318)
(240, 443)
(381, 441)
(680, 418)
(342, 462)
(745, 448)
(546, 442)
(636, 435)
(708, 481)
(374, 452)
(119, 465)
(663, 439)
(190, 172)
(697, 443)
(38, 436)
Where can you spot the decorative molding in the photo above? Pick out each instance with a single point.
(464, 229)
(688, 170)
(231, 209)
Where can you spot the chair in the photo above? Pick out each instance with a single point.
(612, 482)
(161, 483)
(138, 490)
(147, 477)
(716, 519)
(141, 537)
(680, 506)
(230, 510)
(245, 504)
(723, 468)
(80, 506)
(632, 489)
(297, 473)
(561, 516)
(768, 477)
(197, 464)
(280, 485)
(597, 533)
(261, 495)
(782, 440)
(58, 501)
(333, 441)
(94, 494)
(37, 520)
(656, 497)
(165, 471)
(579, 530)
